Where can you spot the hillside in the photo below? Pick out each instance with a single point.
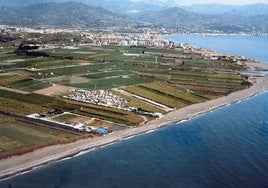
(250, 18)
(180, 18)
(119, 6)
(71, 14)
(135, 6)
(217, 9)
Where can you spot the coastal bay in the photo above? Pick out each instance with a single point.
(243, 45)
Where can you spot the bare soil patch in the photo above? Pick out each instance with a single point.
(55, 90)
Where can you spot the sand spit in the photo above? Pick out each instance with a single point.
(18, 164)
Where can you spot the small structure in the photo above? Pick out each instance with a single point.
(101, 130)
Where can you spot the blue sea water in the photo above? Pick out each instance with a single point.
(249, 46)
(224, 148)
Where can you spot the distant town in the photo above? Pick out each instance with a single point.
(149, 38)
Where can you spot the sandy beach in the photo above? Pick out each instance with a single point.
(17, 164)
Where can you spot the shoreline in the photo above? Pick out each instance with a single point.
(209, 49)
(16, 165)
(218, 34)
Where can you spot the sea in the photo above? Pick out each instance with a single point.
(255, 47)
(227, 147)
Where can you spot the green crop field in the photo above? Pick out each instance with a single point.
(10, 79)
(165, 89)
(200, 63)
(105, 83)
(107, 74)
(156, 96)
(208, 79)
(30, 85)
(207, 83)
(111, 114)
(17, 137)
(139, 104)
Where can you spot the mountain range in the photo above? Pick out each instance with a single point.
(228, 22)
(119, 6)
(217, 9)
(134, 6)
(68, 14)
(107, 13)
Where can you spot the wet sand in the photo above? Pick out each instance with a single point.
(17, 164)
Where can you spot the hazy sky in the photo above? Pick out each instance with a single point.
(189, 2)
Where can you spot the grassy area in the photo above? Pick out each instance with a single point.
(200, 63)
(209, 83)
(48, 73)
(17, 137)
(156, 96)
(30, 85)
(21, 108)
(165, 89)
(36, 99)
(104, 83)
(10, 79)
(65, 117)
(203, 94)
(53, 63)
(134, 102)
(111, 114)
(107, 74)
(197, 78)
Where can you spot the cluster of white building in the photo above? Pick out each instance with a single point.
(148, 37)
(117, 39)
(12, 29)
(98, 97)
(106, 98)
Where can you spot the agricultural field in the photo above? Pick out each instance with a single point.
(139, 104)
(72, 119)
(22, 82)
(18, 137)
(157, 96)
(169, 77)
